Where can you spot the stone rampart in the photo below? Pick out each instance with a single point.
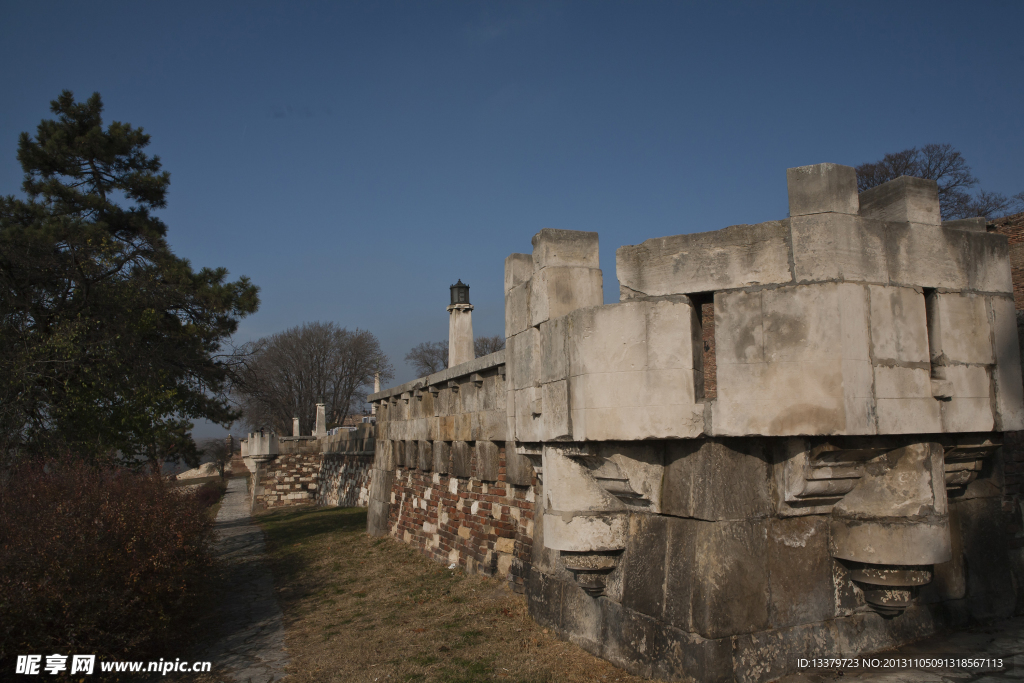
(442, 478)
(841, 491)
(290, 477)
(345, 469)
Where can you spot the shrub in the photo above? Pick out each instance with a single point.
(97, 561)
(210, 492)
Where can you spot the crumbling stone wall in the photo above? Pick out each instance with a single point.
(841, 490)
(290, 478)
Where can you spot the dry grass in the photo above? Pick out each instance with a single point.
(364, 609)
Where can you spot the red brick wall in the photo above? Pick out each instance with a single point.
(484, 527)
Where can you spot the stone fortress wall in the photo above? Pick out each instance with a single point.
(840, 491)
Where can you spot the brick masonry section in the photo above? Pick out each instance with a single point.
(289, 479)
(483, 527)
(344, 480)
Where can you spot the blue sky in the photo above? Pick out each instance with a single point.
(355, 159)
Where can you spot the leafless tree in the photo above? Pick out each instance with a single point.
(946, 166)
(483, 346)
(428, 357)
(217, 451)
(285, 375)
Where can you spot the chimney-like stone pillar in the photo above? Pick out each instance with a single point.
(295, 427)
(460, 326)
(460, 334)
(321, 420)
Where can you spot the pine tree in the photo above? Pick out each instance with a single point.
(109, 343)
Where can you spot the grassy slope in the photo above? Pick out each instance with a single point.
(363, 609)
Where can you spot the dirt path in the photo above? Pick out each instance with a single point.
(249, 643)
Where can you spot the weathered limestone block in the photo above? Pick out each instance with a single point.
(897, 513)
(555, 411)
(529, 422)
(518, 269)
(737, 256)
(398, 448)
(942, 258)
(793, 361)
(899, 327)
(836, 246)
(425, 455)
(903, 200)
(462, 460)
(632, 371)
(384, 456)
(800, 570)
(970, 408)
(441, 455)
(464, 427)
(556, 291)
(716, 480)
(487, 464)
(555, 248)
(518, 469)
(959, 329)
(644, 564)
(412, 453)
(524, 359)
(582, 532)
(1007, 374)
(717, 580)
(517, 309)
(554, 350)
(822, 188)
(488, 425)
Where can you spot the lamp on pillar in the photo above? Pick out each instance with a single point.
(460, 326)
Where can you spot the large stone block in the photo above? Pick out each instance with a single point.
(903, 200)
(822, 188)
(582, 619)
(609, 338)
(739, 328)
(464, 427)
(518, 269)
(800, 323)
(529, 422)
(462, 460)
(425, 453)
(958, 328)
(943, 258)
(544, 598)
(1007, 373)
(835, 246)
(384, 455)
(644, 564)
(989, 581)
(715, 480)
(487, 465)
(767, 655)
(488, 425)
(800, 571)
(673, 335)
(442, 456)
(517, 309)
(518, 469)
(970, 408)
(632, 423)
(908, 415)
(734, 257)
(899, 325)
(556, 248)
(555, 407)
(524, 359)
(554, 342)
(556, 291)
(411, 454)
(717, 580)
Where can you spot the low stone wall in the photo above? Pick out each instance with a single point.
(344, 480)
(291, 478)
(484, 527)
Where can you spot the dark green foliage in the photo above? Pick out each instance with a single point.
(97, 561)
(109, 342)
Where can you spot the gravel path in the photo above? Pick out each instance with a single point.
(250, 644)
